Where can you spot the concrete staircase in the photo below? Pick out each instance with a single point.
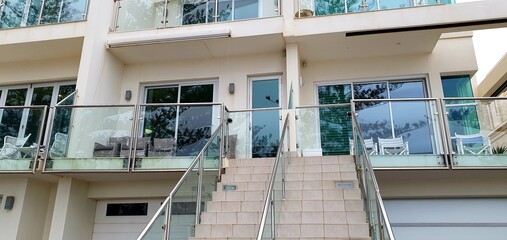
(323, 201)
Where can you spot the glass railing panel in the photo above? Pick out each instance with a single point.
(20, 132)
(56, 11)
(275, 194)
(373, 206)
(147, 14)
(139, 14)
(254, 133)
(156, 231)
(306, 8)
(477, 131)
(171, 136)
(22, 13)
(88, 138)
(324, 130)
(184, 206)
(395, 129)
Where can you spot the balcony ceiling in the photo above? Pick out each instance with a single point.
(40, 50)
(338, 46)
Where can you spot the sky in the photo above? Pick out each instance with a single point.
(490, 46)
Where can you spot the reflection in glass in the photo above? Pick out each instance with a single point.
(326, 7)
(359, 6)
(139, 14)
(265, 124)
(390, 4)
(335, 125)
(245, 9)
(56, 11)
(11, 118)
(413, 127)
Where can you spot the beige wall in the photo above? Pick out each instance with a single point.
(235, 70)
(131, 189)
(35, 208)
(10, 219)
(40, 71)
(451, 56)
(441, 184)
(74, 213)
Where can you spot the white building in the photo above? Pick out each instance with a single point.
(104, 104)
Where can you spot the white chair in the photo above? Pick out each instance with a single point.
(473, 144)
(11, 145)
(59, 146)
(371, 147)
(393, 146)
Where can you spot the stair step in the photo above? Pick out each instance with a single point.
(337, 231)
(251, 162)
(231, 217)
(224, 231)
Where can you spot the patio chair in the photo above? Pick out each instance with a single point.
(473, 144)
(393, 146)
(59, 147)
(11, 145)
(371, 146)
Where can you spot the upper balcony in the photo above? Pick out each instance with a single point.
(25, 13)
(366, 28)
(155, 14)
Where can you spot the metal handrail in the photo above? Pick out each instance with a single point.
(268, 200)
(168, 200)
(65, 99)
(255, 109)
(367, 167)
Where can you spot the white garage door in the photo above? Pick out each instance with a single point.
(123, 219)
(447, 219)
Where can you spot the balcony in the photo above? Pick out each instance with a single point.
(308, 8)
(131, 138)
(155, 14)
(20, 136)
(458, 133)
(23, 13)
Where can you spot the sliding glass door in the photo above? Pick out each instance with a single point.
(377, 119)
(189, 126)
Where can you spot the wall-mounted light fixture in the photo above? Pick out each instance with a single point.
(9, 202)
(128, 95)
(231, 88)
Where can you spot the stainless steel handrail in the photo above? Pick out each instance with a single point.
(369, 168)
(268, 200)
(255, 109)
(168, 200)
(65, 99)
(325, 105)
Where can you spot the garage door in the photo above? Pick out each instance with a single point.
(463, 219)
(123, 219)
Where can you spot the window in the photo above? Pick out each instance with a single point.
(204, 11)
(19, 122)
(457, 86)
(190, 126)
(127, 209)
(376, 119)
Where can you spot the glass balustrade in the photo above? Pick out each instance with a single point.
(254, 133)
(272, 205)
(324, 130)
(377, 218)
(20, 137)
(307, 8)
(23, 13)
(90, 138)
(396, 128)
(148, 14)
(181, 211)
(477, 131)
(171, 136)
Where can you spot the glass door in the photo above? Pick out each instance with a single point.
(189, 126)
(265, 125)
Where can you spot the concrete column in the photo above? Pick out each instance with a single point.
(100, 72)
(74, 212)
(292, 88)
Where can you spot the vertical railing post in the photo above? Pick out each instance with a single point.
(165, 14)
(39, 17)
(200, 172)
(273, 214)
(167, 220)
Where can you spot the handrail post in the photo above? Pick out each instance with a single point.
(199, 190)
(273, 215)
(167, 222)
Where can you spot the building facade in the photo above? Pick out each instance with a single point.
(104, 104)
